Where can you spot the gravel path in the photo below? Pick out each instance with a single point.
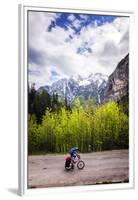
(100, 167)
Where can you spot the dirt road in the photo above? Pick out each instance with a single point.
(100, 167)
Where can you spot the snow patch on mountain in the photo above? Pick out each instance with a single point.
(84, 82)
(78, 86)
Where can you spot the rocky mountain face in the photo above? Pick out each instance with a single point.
(117, 84)
(74, 87)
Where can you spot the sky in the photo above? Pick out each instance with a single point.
(61, 45)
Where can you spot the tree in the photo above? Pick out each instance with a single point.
(33, 135)
(41, 103)
(110, 125)
(103, 127)
(31, 98)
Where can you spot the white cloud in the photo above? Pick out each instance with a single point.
(84, 17)
(109, 44)
(71, 17)
(38, 25)
(76, 23)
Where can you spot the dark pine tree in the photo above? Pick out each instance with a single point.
(41, 103)
(31, 98)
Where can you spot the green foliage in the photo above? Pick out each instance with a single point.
(103, 128)
(33, 135)
(31, 98)
(41, 103)
(38, 102)
(110, 127)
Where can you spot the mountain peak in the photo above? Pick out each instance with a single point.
(77, 86)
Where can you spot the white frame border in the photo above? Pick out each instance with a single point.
(22, 91)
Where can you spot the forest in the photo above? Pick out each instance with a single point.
(54, 126)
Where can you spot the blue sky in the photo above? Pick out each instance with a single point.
(63, 21)
(65, 44)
